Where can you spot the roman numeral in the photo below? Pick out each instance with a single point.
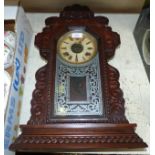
(87, 54)
(70, 57)
(64, 48)
(66, 42)
(88, 42)
(66, 54)
(89, 48)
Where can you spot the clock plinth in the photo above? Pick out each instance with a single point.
(77, 104)
(77, 137)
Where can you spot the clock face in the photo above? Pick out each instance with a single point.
(77, 47)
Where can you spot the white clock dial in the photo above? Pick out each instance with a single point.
(77, 47)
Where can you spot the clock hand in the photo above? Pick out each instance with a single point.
(76, 58)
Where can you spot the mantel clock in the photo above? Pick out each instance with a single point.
(77, 104)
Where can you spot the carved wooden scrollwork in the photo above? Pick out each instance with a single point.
(116, 101)
(42, 41)
(74, 12)
(38, 102)
(122, 139)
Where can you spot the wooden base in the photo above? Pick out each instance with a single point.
(77, 137)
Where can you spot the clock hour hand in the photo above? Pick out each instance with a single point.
(76, 58)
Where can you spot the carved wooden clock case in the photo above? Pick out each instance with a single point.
(77, 104)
